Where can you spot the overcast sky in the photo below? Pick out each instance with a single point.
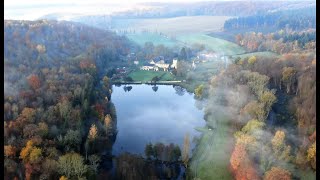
(33, 9)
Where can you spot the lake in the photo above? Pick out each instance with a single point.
(154, 114)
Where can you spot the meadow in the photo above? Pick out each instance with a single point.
(173, 26)
(215, 44)
(178, 32)
(142, 37)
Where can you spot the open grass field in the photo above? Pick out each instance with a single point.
(215, 44)
(173, 26)
(156, 39)
(179, 31)
(141, 75)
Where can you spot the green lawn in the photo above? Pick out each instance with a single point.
(215, 44)
(141, 75)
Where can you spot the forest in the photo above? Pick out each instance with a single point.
(297, 19)
(259, 110)
(268, 147)
(58, 118)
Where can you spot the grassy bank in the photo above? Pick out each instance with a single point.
(143, 76)
(210, 160)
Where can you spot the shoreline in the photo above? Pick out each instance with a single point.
(148, 82)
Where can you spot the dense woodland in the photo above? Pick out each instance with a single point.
(58, 118)
(281, 42)
(235, 8)
(297, 19)
(266, 147)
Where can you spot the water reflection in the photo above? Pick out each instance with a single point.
(127, 88)
(179, 90)
(143, 117)
(155, 88)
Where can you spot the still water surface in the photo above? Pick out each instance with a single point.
(154, 114)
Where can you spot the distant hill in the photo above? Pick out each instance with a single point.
(56, 40)
(170, 10)
(213, 8)
(297, 19)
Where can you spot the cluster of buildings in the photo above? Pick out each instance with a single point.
(159, 65)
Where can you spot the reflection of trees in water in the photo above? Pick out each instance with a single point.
(179, 90)
(127, 88)
(155, 88)
(199, 104)
(131, 166)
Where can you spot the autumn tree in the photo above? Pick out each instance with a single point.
(199, 91)
(288, 77)
(255, 110)
(71, 165)
(241, 165)
(281, 150)
(93, 132)
(43, 129)
(30, 130)
(252, 60)
(252, 126)
(256, 82)
(276, 173)
(31, 157)
(267, 98)
(10, 151)
(312, 155)
(34, 81)
(31, 153)
(186, 147)
(27, 116)
(63, 178)
(108, 123)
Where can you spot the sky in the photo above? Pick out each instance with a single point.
(33, 9)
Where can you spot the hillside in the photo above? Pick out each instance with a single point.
(56, 40)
